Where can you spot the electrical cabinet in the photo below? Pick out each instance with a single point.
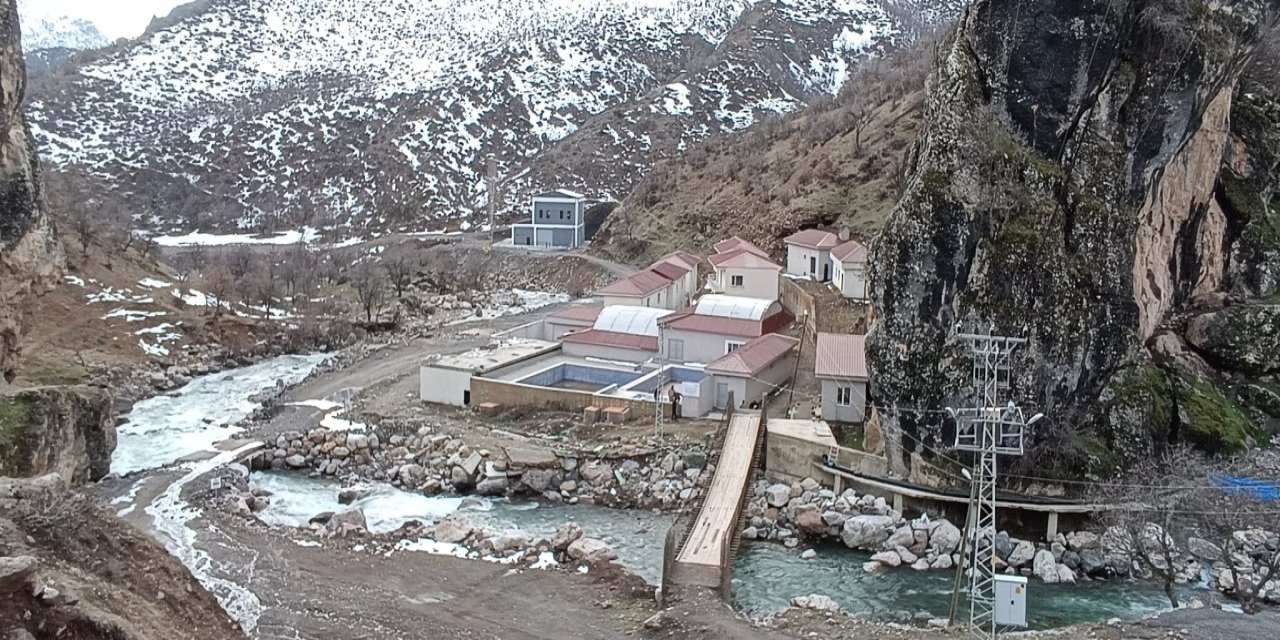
(1011, 601)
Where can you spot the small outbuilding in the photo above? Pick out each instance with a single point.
(809, 254)
(849, 266)
(758, 367)
(841, 367)
(446, 379)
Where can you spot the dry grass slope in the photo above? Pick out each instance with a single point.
(837, 162)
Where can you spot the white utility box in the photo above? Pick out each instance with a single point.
(1011, 601)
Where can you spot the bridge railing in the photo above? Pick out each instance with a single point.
(678, 532)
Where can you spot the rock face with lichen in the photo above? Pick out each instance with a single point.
(65, 430)
(30, 257)
(1093, 176)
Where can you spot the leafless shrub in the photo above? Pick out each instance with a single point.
(370, 288)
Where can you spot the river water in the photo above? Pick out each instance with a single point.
(161, 430)
(165, 428)
(766, 576)
(637, 536)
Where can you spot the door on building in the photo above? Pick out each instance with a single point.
(826, 272)
(722, 395)
(813, 266)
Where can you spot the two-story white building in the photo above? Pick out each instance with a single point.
(809, 254)
(558, 221)
(669, 283)
(743, 269)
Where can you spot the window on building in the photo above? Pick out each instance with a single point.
(730, 346)
(844, 396)
(675, 349)
(735, 281)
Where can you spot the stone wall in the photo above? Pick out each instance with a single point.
(512, 395)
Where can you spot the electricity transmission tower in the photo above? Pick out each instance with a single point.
(491, 176)
(993, 427)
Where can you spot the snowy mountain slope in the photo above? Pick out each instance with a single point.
(43, 27)
(379, 113)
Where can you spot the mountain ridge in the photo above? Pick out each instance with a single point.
(259, 130)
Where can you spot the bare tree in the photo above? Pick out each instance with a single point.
(220, 289)
(370, 288)
(1183, 491)
(400, 272)
(241, 261)
(262, 285)
(1141, 513)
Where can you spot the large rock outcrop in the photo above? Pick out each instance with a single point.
(30, 257)
(1079, 182)
(66, 430)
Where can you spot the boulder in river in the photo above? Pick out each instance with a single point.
(816, 602)
(1045, 567)
(591, 551)
(347, 520)
(452, 529)
(866, 531)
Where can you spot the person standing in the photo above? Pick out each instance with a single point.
(675, 404)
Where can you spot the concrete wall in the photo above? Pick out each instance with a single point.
(558, 237)
(583, 373)
(444, 386)
(768, 380)
(756, 283)
(791, 458)
(514, 394)
(620, 354)
(561, 212)
(831, 412)
(814, 263)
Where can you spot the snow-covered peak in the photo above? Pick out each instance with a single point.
(44, 27)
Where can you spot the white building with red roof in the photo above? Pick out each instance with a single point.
(841, 368)
(666, 284)
(620, 333)
(809, 253)
(849, 270)
(717, 325)
(757, 367)
(743, 269)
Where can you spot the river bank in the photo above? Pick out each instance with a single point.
(311, 585)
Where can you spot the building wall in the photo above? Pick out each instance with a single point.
(698, 347)
(522, 235)
(765, 382)
(831, 412)
(798, 262)
(851, 279)
(443, 386)
(756, 283)
(735, 386)
(557, 236)
(560, 212)
(621, 354)
(665, 298)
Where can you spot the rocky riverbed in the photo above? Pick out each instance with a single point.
(805, 512)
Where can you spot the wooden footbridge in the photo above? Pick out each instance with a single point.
(701, 553)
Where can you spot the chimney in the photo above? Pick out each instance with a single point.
(844, 233)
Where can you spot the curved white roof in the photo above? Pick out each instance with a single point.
(637, 321)
(734, 307)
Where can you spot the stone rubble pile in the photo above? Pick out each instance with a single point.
(437, 463)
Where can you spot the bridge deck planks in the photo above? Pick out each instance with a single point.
(720, 508)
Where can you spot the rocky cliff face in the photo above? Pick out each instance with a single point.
(1092, 176)
(29, 253)
(65, 430)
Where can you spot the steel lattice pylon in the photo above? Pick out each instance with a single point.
(988, 430)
